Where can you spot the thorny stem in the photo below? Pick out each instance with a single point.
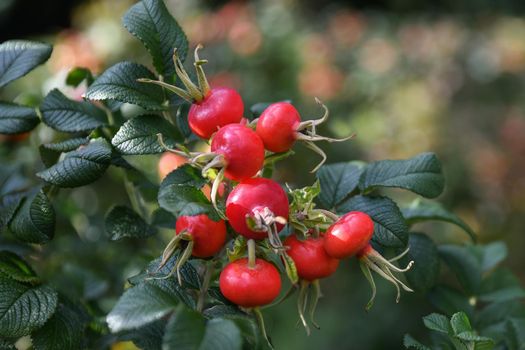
(260, 321)
(251, 253)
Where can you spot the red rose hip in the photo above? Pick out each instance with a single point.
(208, 236)
(250, 286)
(348, 235)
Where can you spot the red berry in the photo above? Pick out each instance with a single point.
(277, 126)
(250, 287)
(348, 235)
(254, 195)
(222, 106)
(208, 235)
(310, 258)
(242, 149)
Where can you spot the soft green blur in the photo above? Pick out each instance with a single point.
(451, 84)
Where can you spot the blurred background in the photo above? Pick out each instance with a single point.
(405, 76)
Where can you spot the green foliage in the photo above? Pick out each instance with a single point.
(150, 22)
(77, 75)
(139, 135)
(15, 119)
(16, 268)
(123, 222)
(34, 220)
(66, 115)
(80, 167)
(120, 83)
(338, 181)
(50, 152)
(425, 272)
(20, 57)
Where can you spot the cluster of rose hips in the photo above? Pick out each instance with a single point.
(257, 208)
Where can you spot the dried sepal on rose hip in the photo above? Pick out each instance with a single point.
(280, 126)
(211, 108)
(312, 263)
(197, 236)
(350, 236)
(251, 283)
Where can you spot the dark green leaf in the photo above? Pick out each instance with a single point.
(78, 75)
(464, 264)
(151, 23)
(63, 114)
(139, 306)
(425, 272)
(421, 174)
(64, 331)
(501, 285)
(490, 254)
(390, 227)
(50, 152)
(16, 268)
(187, 329)
(460, 323)
(16, 119)
(438, 323)
(139, 135)
(449, 300)
(34, 220)
(184, 331)
(23, 308)
(6, 344)
(337, 181)
(225, 311)
(148, 337)
(179, 193)
(18, 57)
(80, 167)
(424, 211)
(120, 83)
(409, 342)
(122, 222)
(163, 219)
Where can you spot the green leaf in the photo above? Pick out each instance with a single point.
(424, 273)
(77, 75)
(337, 181)
(50, 152)
(460, 323)
(438, 323)
(501, 285)
(490, 254)
(147, 337)
(390, 227)
(419, 211)
(180, 193)
(163, 219)
(464, 264)
(150, 22)
(34, 220)
(122, 222)
(16, 119)
(64, 331)
(139, 306)
(187, 329)
(6, 344)
(119, 83)
(410, 342)
(63, 114)
(16, 268)
(421, 174)
(18, 57)
(139, 135)
(449, 300)
(80, 167)
(23, 308)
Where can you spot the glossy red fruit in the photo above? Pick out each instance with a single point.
(310, 258)
(208, 236)
(221, 107)
(348, 235)
(242, 149)
(250, 287)
(254, 195)
(277, 126)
